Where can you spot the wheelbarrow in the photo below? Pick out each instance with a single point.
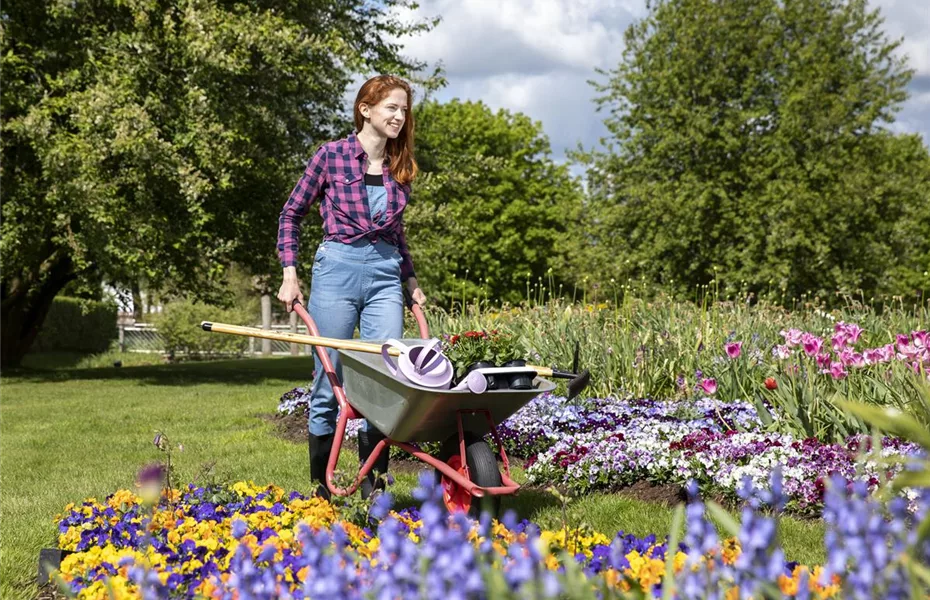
(466, 466)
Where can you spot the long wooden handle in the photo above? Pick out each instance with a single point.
(313, 340)
(296, 338)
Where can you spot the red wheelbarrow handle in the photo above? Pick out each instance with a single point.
(346, 411)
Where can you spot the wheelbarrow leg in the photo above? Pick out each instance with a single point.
(367, 440)
(320, 448)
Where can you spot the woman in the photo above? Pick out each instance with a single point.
(362, 183)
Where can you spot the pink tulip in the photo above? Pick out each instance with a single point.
(839, 341)
(837, 371)
(781, 352)
(709, 386)
(887, 352)
(872, 355)
(907, 352)
(851, 358)
(853, 331)
(823, 360)
(921, 343)
(734, 349)
(792, 337)
(811, 343)
(921, 339)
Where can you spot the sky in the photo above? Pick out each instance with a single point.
(537, 56)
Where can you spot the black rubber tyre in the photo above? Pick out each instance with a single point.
(482, 469)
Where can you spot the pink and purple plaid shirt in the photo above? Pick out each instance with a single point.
(336, 175)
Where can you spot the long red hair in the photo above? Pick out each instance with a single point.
(398, 151)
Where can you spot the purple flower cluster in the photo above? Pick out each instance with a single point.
(548, 418)
(866, 538)
(297, 402)
(609, 442)
(444, 562)
(866, 543)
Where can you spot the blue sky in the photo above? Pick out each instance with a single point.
(536, 56)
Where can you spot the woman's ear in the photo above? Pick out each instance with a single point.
(365, 110)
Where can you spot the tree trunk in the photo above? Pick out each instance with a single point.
(24, 306)
(136, 302)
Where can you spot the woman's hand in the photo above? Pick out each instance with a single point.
(290, 289)
(415, 292)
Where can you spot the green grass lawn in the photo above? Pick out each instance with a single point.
(70, 430)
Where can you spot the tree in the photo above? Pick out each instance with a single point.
(747, 144)
(491, 208)
(158, 139)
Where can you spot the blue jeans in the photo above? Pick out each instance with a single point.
(353, 284)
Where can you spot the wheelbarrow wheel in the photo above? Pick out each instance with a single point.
(482, 469)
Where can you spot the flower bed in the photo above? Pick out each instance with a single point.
(247, 541)
(607, 443)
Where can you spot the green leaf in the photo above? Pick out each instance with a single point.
(891, 420)
(913, 479)
(668, 584)
(730, 525)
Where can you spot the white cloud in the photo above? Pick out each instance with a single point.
(536, 56)
(481, 37)
(910, 20)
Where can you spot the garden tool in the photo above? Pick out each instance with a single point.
(577, 381)
(420, 364)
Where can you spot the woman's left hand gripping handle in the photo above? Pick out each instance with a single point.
(290, 290)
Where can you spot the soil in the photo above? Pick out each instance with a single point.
(50, 592)
(666, 494)
(293, 428)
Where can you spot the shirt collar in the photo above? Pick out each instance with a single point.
(355, 146)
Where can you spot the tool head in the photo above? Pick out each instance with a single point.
(578, 383)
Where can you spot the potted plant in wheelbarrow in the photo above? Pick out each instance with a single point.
(468, 351)
(509, 350)
(472, 350)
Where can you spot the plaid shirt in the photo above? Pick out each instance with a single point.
(336, 175)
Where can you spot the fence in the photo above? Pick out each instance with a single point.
(143, 337)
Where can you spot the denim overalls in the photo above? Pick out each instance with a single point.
(353, 283)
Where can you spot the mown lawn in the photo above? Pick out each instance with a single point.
(70, 429)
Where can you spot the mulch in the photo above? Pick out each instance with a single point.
(49, 592)
(292, 428)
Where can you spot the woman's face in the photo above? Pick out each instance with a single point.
(388, 116)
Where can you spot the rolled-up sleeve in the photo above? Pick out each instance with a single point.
(308, 189)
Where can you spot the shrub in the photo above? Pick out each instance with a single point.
(77, 325)
(179, 326)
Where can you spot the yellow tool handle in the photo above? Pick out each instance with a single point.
(296, 338)
(313, 340)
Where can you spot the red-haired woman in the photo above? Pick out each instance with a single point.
(362, 184)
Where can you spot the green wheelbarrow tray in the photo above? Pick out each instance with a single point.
(411, 413)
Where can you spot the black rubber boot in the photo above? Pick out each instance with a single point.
(367, 440)
(320, 448)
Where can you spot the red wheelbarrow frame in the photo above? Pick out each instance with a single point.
(459, 477)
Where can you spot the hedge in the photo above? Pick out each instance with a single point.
(77, 325)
